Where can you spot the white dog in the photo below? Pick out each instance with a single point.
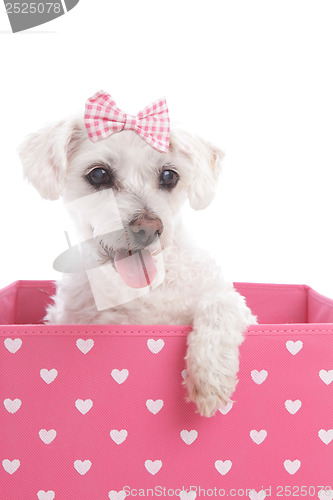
(148, 189)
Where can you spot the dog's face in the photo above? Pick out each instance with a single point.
(122, 193)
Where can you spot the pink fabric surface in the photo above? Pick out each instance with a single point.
(90, 411)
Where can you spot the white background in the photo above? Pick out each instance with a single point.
(255, 77)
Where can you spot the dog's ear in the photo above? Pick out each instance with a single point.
(44, 156)
(205, 162)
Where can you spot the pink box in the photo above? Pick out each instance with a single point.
(91, 412)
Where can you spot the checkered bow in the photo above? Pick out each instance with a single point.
(103, 118)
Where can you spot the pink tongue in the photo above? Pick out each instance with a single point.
(137, 269)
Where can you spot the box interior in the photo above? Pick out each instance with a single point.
(24, 302)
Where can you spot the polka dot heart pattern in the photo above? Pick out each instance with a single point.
(12, 406)
(100, 412)
(45, 495)
(13, 345)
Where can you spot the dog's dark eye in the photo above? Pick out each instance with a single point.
(168, 179)
(99, 176)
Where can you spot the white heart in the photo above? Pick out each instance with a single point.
(155, 346)
(47, 436)
(45, 495)
(227, 408)
(326, 436)
(48, 375)
(11, 466)
(326, 376)
(83, 405)
(12, 406)
(294, 347)
(293, 406)
(189, 436)
(223, 467)
(187, 495)
(292, 467)
(259, 377)
(117, 495)
(82, 467)
(254, 495)
(325, 494)
(153, 466)
(118, 436)
(85, 345)
(154, 406)
(13, 345)
(119, 375)
(258, 436)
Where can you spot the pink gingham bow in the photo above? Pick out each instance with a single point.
(103, 118)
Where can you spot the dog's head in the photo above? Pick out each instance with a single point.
(121, 192)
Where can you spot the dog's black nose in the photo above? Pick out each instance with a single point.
(146, 229)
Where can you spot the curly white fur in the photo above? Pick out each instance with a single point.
(57, 159)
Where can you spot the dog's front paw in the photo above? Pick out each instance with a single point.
(209, 391)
